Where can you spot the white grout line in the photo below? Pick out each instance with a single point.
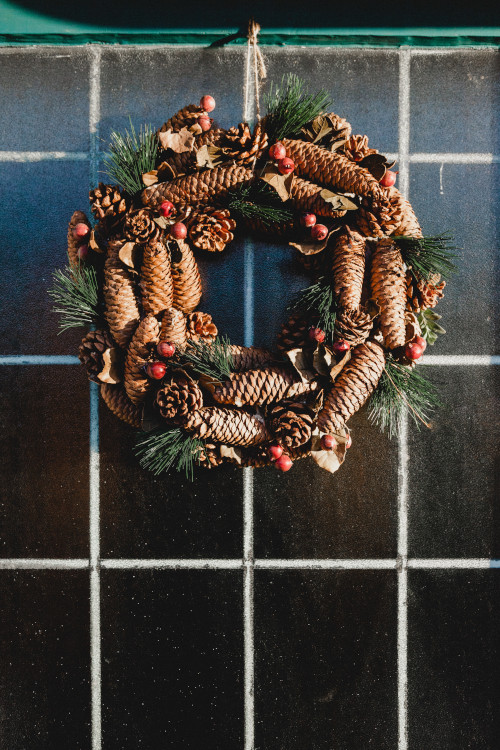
(402, 621)
(26, 563)
(29, 156)
(460, 360)
(94, 111)
(445, 158)
(453, 563)
(38, 359)
(326, 564)
(180, 564)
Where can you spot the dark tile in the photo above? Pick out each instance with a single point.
(362, 84)
(172, 659)
(45, 462)
(311, 513)
(45, 99)
(453, 653)
(454, 507)
(465, 204)
(149, 85)
(45, 649)
(455, 101)
(41, 199)
(325, 660)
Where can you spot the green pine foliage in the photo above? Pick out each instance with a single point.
(258, 201)
(318, 300)
(428, 322)
(289, 107)
(162, 450)
(76, 296)
(426, 256)
(213, 360)
(130, 156)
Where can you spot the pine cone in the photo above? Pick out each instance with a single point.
(156, 284)
(118, 402)
(200, 327)
(292, 423)
(375, 218)
(348, 269)
(186, 280)
(93, 346)
(210, 456)
(403, 219)
(139, 227)
(184, 118)
(356, 148)
(423, 294)
(294, 333)
(244, 146)
(143, 342)
(338, 131)
(178, 397)
(249, 358)
(227, 426)
(209, 186)
(211, 230)
(75, 242)
(389, 291)
(121, 311)
(260, 387)
(109, 206)
(353, 386)
(173, 327)
(353, 326)
(306, 197)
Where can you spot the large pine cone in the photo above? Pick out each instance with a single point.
(139, 227)
(211, 230)
(244, 146)
(348, 269)
(388, 286)
(118, 402)
(200, 327)
(249, 358)
(228, 426)
(353, 326)
(292, 423)
(109, 206)
(423, 294)
(262, 387)
(121, 311)
(356, 148)
(93, 346)
(294, 333)
(178, 398)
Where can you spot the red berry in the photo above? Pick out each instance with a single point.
(283, 463)
(178, 230)
(308, 220)
(286, 165)
(166, 209)
(413, 351)
(165, 349)
(277, 151)
(316, 334)
(205, 122)
(421, 342)
(348, 442)
(389, 178)
(80, 230)
(339, 347)
(82, 252)
(328, 442)
(156, 370)
(207, 103)
(319, 232)
(275, 452)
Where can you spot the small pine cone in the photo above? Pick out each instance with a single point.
(211, 230)
(157, 291)
(143, 342)
(249, 358)
(348, 268)
(356, 148)
(186, 280)
(210, 456)
(353, 326)
(243, 146)
(227, 426)
(173, 327)
(184, 118)
(292, 423)
(109, 206)
(306, 196)
(294, 333)
(121, 311)
(200, 327)
(331, 170)
(75, 242)
(402, 215)
(342, 128)
(139, 227)
(93, 346)
(423, 294)
(209, 186)
(375, 218)
(178, 397)
(353, 386)
(261, 387)
(388, 286)
(118, 402)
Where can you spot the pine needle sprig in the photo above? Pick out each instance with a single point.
(426, 256)
(213, 360)
(401, 391)
(289, 107)
(317, 299)
(163, 450)
(130, 156)
(258, 201)
(76, 295)
(428, 322)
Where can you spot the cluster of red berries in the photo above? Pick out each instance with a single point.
(339, 347)
(80, 233)
(415, 348)
(207, 103)
(283, 462)
(156, 370)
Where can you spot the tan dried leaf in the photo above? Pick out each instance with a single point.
(317, 129)
(128, 254)
(299, 360)
(163, 222)
(338, 366)
(179, 142)
(311, 248)
(376, 164)
(209, 156)
(150, 178)
(329, 460)
(110, 372)
(93, 244)
(412, 327)
(231, 451)
(282, 183)
(338, 201)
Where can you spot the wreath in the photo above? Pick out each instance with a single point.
(356, 333)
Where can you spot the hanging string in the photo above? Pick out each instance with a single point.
(254, 55)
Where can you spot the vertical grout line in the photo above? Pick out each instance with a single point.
(403, 457)
(94, 469)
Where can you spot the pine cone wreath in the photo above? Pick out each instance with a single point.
(139, 227)
(178, 397)
(109, 205)
(422, 294)
(227, 426)
(292, 423)
(91, 351)
(353, 326)
(211, 230)
(200, 327)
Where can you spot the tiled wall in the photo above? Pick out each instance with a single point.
(270, 612)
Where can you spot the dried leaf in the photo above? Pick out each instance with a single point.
(93, 244)
(128, 254)
(337, 367)
(179, 142)
(110, 372)
(412, 327)
(311, 248)
(166, 172)
(329, 460)
(317, 129)
(195, 128)
(150, 178)
(376, 164)
(162, 222)
(282, 183)
(300, 361)
(210, 156)
(338, 201)
(231, 452)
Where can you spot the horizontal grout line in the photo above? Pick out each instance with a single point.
(192, 564)
(449, 158)
(38, 359)
(449, 563)
(27, 156)
(325, 564)
(468, 360)
(27, 563)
